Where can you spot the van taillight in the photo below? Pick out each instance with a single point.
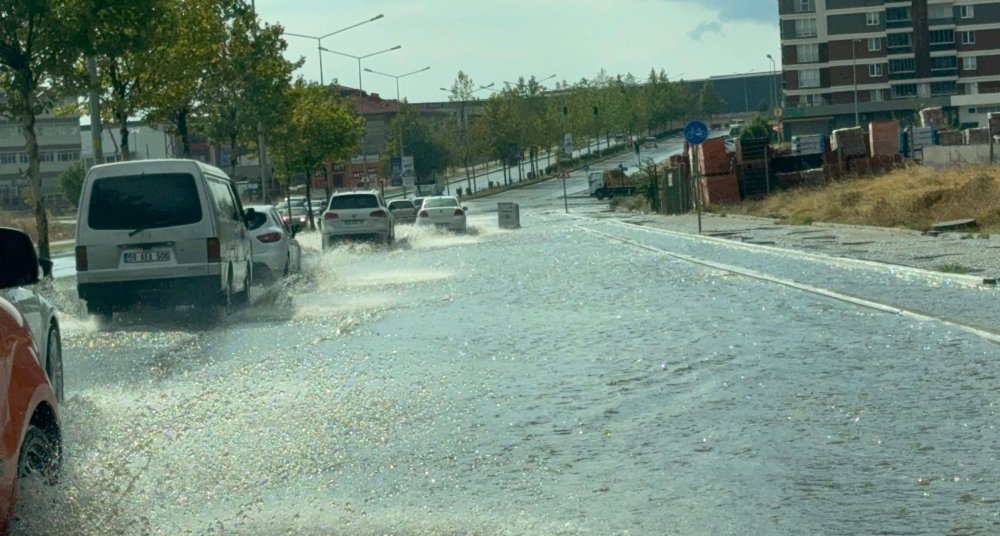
(329, 215)
(81, 258)
(378, 214)
(214, 250)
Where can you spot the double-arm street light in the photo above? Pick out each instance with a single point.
(399, 103)
(772, 85)
(319, 40)
(359, 58)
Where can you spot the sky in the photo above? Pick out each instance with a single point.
(497, 41)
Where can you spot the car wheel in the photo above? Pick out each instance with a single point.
(39, 455)
(53, 362)
(243, 296)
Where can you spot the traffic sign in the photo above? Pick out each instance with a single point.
(695, 132)
(586, 168)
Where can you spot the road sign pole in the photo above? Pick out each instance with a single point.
(696, 132)
(565, 199)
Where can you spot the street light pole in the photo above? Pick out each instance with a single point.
(399, 104)
(359, 58)
(319, 40)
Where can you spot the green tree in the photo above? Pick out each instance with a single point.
(709, 101)
(247, 82)
(125, 37)
(461, 92)
(39, 45)
(319, 128)
(194, 30)
(71, 181)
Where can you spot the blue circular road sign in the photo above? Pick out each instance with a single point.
(695, 132)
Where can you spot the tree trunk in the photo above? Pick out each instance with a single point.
(180, 119)
(309, 213)
(123, 135)
(232, 154)
(34, 173)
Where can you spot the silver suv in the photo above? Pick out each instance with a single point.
(358, 215)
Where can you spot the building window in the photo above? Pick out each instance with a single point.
(24, 158)
(8, 158)
(807, 53)
(805, 6)
(969, 63)
(943, 63)
(972, 88)
(875, 70)
(874, 44)
(940, 14)
(809, 78)
(897, 15)
(68, 156)
(46, 157)
(872, 18)
(805, 28)
(908, 65)
(878, 95)
(942, 88)
(812, 100)
(967, 12)
(969, 38)
(905, 90)
(942, 37)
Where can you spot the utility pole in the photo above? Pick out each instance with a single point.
(96, 135)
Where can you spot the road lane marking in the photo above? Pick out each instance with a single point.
(984, 333)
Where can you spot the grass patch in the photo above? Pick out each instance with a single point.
(25, 221)
(914, 197)
(954, 268)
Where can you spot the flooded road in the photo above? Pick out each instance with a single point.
(545, 380)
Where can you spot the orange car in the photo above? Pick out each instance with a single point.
(31, 439)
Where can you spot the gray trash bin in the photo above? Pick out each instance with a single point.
(509, 215)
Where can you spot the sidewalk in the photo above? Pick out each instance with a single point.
(974, 255)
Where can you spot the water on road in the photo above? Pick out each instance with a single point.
(544, 380)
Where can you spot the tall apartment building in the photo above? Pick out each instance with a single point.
(58, 148)
(854, 61)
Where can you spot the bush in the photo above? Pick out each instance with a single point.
(71, 181)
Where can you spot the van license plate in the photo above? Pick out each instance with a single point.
(147, 256)
(353, 222)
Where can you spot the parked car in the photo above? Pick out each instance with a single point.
(276, 253)
(358, 215)
(403, 210)
(650, 143)
(31, 427)
(442, 212)
(160, 232)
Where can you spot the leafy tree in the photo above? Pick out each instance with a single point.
(39, 44)
(709, 101)
(71, 181)
(320, 128)
(247, 82)
(125, 37)
(193, 32)
(461, 92)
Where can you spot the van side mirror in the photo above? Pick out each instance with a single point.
(296, 228)
(20, 266)
(248, 215)
(46, 265)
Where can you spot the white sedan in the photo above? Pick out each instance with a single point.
(276, 253)
(442, 211)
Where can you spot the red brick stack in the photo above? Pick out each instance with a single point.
(884, 136)
(849, 141)
(950, 137)
(719, 183)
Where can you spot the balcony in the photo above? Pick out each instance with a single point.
(899, 23)
(899, 49)
(945, 72)
(937, 47)
(949, 21)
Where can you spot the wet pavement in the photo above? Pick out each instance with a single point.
(589, 373)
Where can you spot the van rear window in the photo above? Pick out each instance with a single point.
(347, 202)
(144, 201)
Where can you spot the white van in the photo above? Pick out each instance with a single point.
(161, 232)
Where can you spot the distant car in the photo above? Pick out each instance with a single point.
(650, 143)
(403, 210)
(299, 215)
(276, 253)
(442, 212)
(418, 201)
(358, 215)
(31, 426)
